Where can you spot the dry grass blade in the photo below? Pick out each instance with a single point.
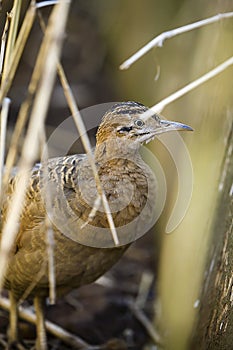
(49, 229)
(3, 126)
(34, 282)
(25, 106)
(50, 49)
(16, 53)
(93, 211)
(194, 84)
(3, 43)
(87, 146)
(144, 288)
(142, 318)
(49, 236)
(159, 40)
(14, 22)
(23, 114)
(158, 107)
(21, 121)
(41, 4)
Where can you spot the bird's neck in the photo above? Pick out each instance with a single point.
(116, 147)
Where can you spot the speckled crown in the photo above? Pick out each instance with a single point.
(122, 108)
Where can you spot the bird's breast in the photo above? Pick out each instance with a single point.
(130, 189)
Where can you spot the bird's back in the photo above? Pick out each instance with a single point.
(65, 188)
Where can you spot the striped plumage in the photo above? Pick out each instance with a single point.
(70, 184)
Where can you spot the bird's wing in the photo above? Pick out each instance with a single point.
(54, 180)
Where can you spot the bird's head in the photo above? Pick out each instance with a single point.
(128, 121)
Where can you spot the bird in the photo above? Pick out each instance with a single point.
(82, 252)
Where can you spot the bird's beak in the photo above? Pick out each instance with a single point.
(166, 125)
(161, 127)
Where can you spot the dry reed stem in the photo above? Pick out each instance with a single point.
(49, 235)
(10, 69)
(51, 47)
(194, 84)
(144, 289)
(93, 211)
(41, 4)
(87, 146)
(34, 282)
(13, 18)
(12, 152)
(3, 42)
(158, 107)
(137, 305)
(3, 127)
(159, 40)
(25, 106)
(142, 318)
(48, 225)
(22, 117)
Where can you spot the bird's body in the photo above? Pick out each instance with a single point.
(68, 184)
(75, 264)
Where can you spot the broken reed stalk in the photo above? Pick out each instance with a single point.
(50, 49)
(159, 40)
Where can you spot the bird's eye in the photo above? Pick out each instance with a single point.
(139, 123)
(125, 129)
